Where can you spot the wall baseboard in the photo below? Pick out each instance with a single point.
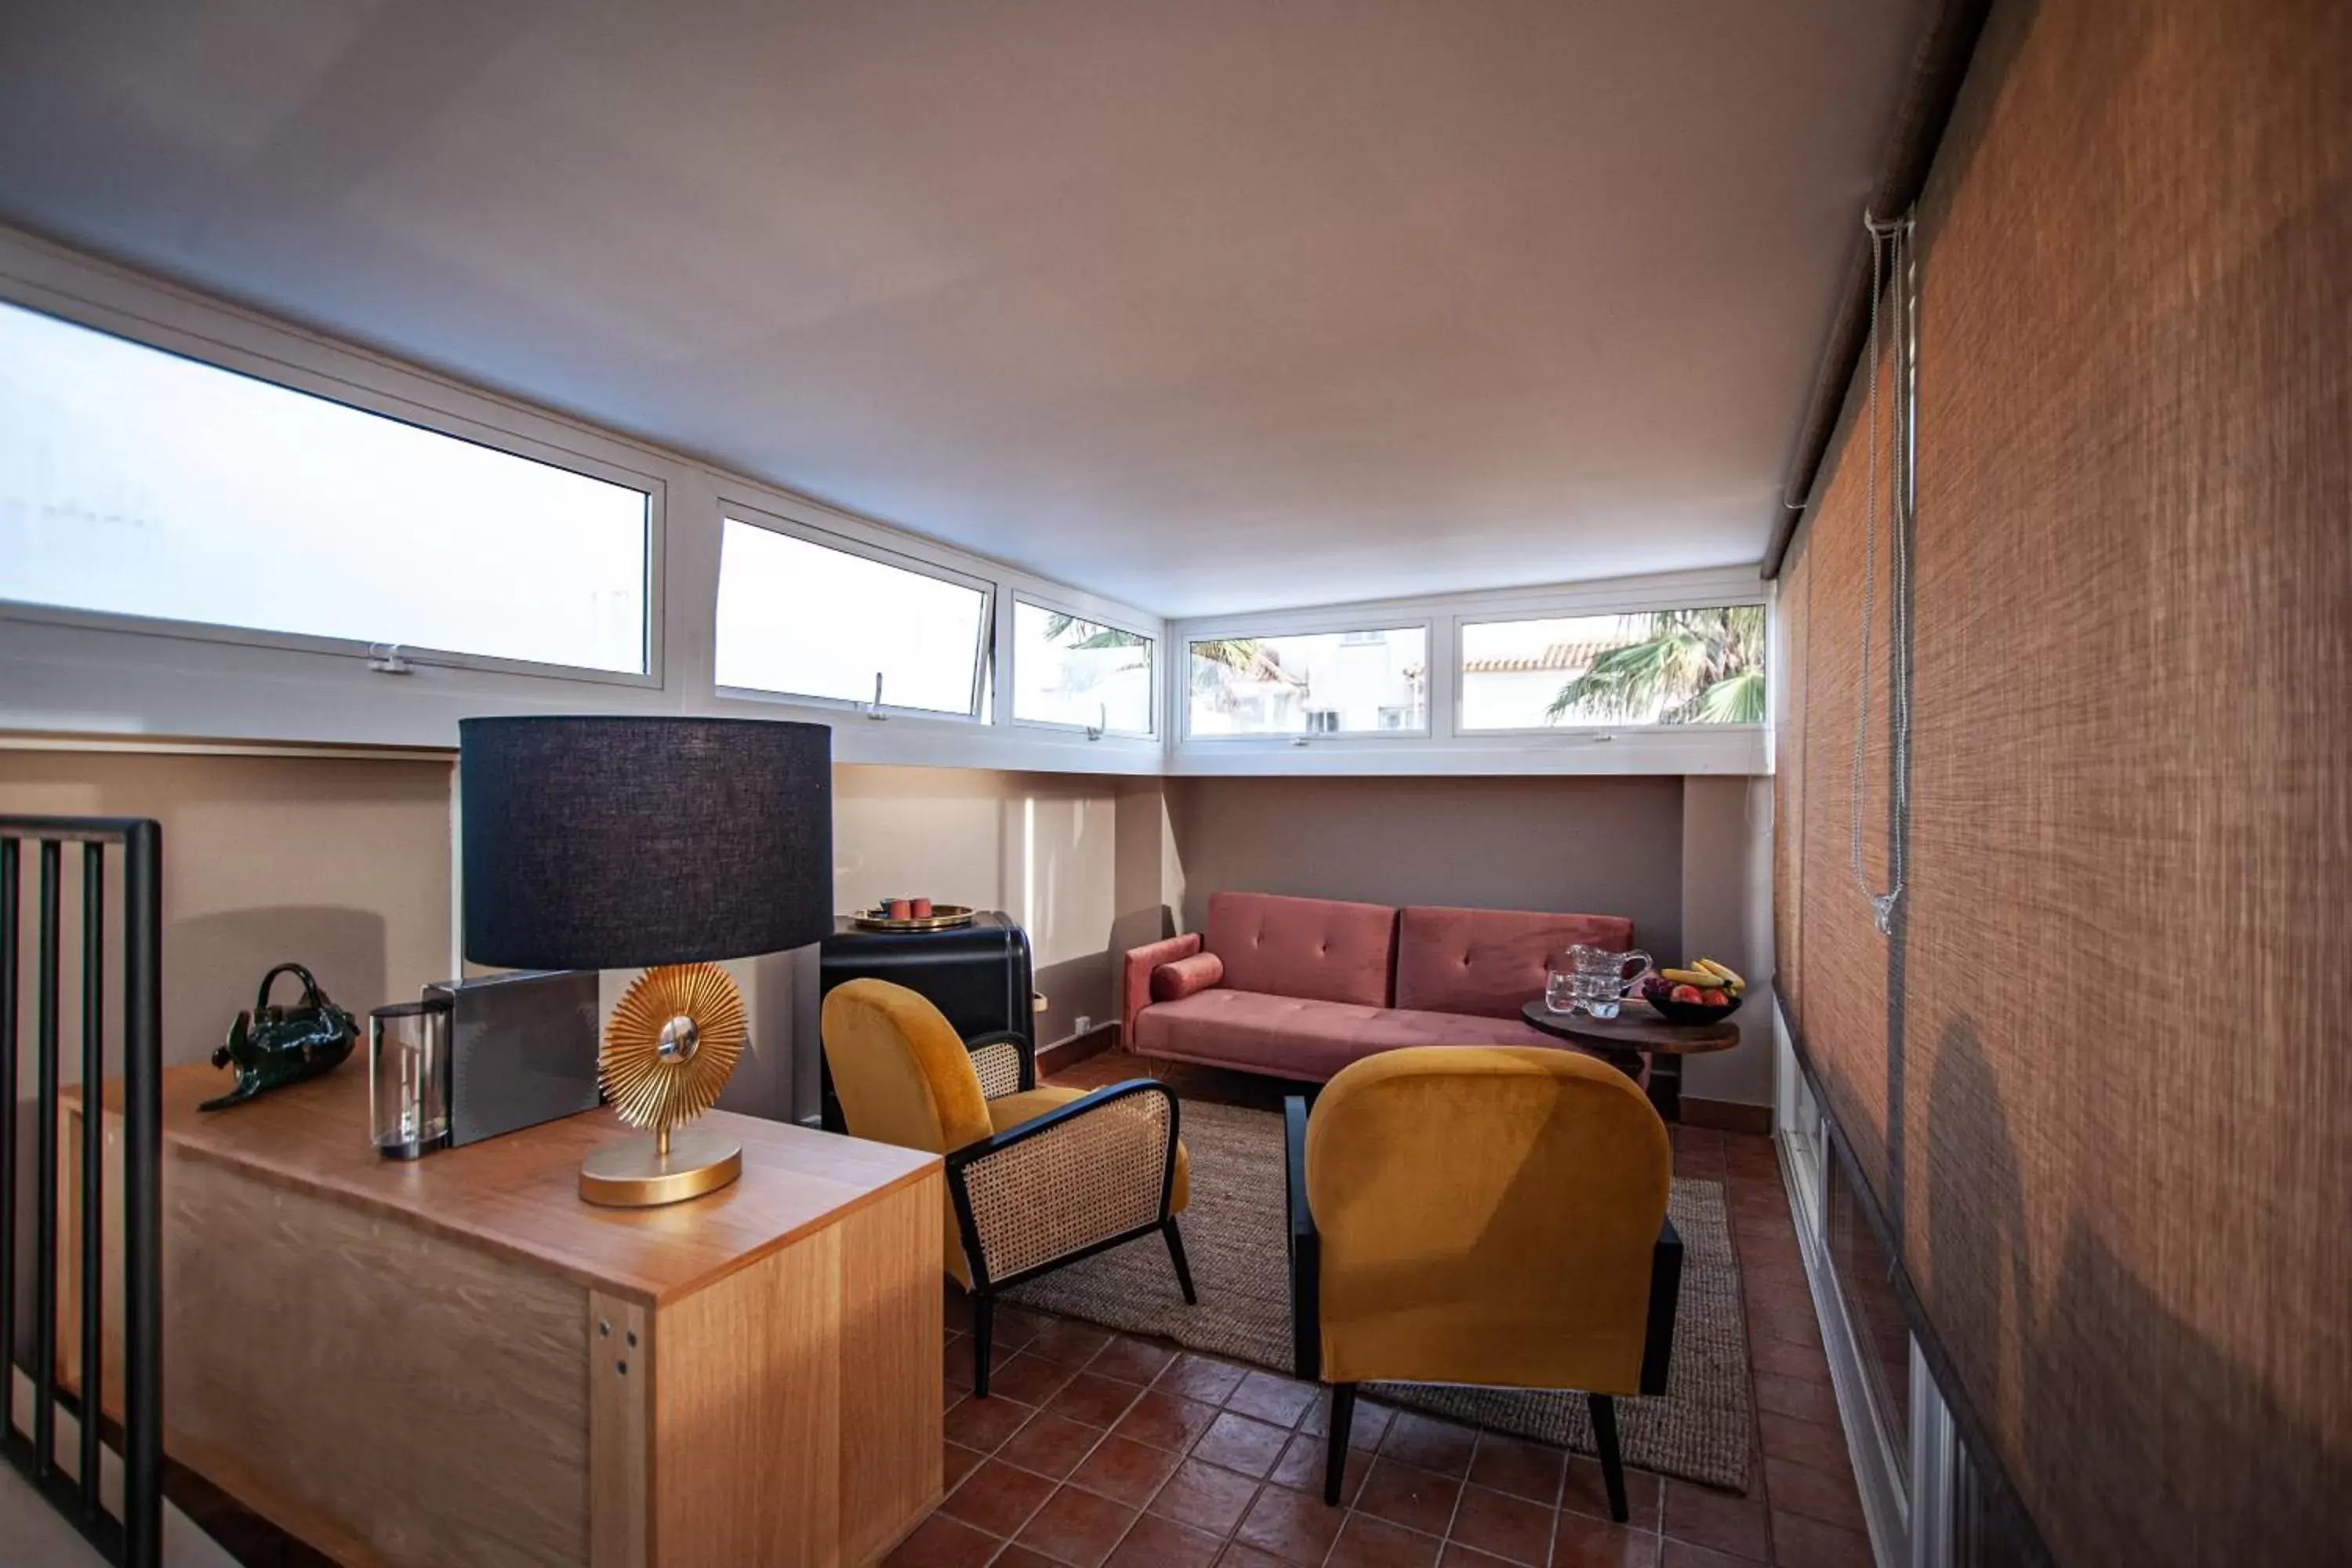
(1727, 1116)
(1072, 1049)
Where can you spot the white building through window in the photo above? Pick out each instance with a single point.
(1696, 665)
(1319, 683)
(1070, 671)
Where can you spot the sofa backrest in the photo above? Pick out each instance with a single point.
(1319, 950)
(1488, 962)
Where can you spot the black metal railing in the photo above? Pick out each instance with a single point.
(135, 1538)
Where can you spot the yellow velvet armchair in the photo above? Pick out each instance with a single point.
(1036, 1177)
(1482, 1216)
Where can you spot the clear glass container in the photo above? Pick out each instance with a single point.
(408, 1078)
(1559, 990)
(1597, 977)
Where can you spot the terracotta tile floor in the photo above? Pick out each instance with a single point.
(1100, 1449)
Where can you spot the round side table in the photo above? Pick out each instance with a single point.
(1620, 1041)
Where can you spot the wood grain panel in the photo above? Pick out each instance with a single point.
(620, 1432)
(354, 1370)
(753, 1366)
(827, 1352)
(70, 1191)
(394, 1385)
(891, 1369)
(519, 1195)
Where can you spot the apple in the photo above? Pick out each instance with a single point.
(1684, 994)
(1713, 998)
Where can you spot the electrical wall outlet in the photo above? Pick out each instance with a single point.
(1082, 1025)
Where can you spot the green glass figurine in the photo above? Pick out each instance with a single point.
(272, 1047)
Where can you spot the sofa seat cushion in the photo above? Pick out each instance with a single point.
(1292, 1036)
(1489, 961)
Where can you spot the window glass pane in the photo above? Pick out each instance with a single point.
(136, 482)
(1665, 666)
(1866, 1289)
(1326, 683)
(811, 621)
(1071, 671)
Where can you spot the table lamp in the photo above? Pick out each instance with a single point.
(616, 843)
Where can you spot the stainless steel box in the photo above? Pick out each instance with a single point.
(523, 1049)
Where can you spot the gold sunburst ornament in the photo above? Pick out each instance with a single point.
(669, 1047)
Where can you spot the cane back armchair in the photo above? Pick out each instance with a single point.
(1036, 1177)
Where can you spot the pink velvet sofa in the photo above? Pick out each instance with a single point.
(1300, 987)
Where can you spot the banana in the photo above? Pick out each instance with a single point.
(1724, 972)
(1698, 977)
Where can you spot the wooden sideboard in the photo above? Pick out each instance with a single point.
(457, 1361)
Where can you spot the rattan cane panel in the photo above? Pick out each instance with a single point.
(1094, 1176)
(1843, 995)
(2128, 1080)
(999, 1067)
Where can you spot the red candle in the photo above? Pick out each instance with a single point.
(922, 908)
(901, 909)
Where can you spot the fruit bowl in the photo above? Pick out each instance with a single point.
(1658, 992)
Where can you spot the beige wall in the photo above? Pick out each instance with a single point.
(1688, 860)
(340, 863)
(1727, 900)
(1033, 844)
(1607, 846)
(1043, 848)
(345, 863)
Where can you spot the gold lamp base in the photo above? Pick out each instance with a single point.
(662, 1168)
(668, 1048)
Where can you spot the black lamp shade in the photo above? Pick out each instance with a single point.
(614, 843)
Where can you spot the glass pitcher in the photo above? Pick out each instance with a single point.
(1596, 978)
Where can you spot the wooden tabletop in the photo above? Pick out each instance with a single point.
(519, 1194)
(1637, 1028)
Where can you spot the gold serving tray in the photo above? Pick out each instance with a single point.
(943, 917)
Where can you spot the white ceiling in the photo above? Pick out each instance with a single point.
(1208, 306)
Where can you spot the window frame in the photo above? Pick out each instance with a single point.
(1506, 613)
(288, 375)
(1009, 655)
(1298, 623)
(730, 510)
(1443, 750)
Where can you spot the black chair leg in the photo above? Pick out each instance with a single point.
(984, 1328)
(1335, 1442)
(1176, 1256)
(1612, 1463)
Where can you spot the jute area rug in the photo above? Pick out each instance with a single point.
(1235, 1239)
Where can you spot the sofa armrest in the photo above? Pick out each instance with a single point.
(1305, 1250)
(1135, 978)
